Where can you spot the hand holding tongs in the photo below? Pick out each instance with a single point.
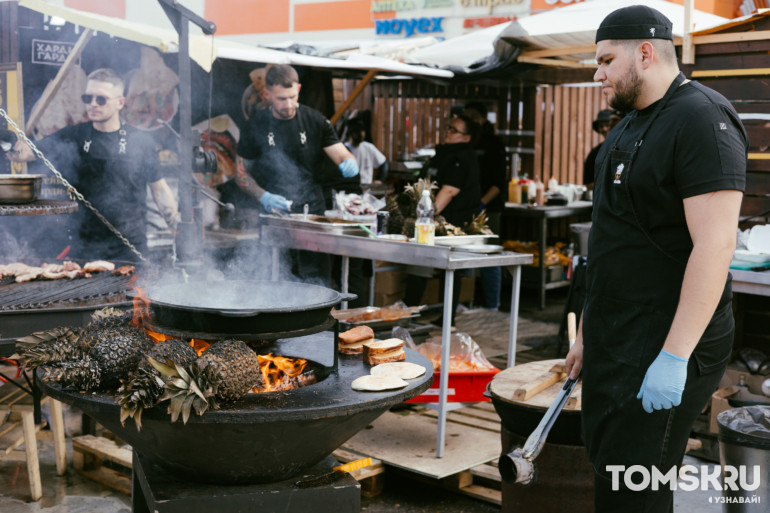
(517, 466)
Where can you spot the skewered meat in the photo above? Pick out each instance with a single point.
(98, 266)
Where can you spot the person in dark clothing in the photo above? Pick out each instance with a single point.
(111, 163)
(288, 144)
(657, 325)
(490, 151)
(604, 122)
(455, 168)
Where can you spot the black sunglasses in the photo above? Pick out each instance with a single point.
(452, 129)
(100, 100)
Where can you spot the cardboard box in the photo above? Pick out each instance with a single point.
(729, 389)
(389, 282)
(434, 290)
(387, 299)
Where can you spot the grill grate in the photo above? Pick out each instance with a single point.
(47, 294)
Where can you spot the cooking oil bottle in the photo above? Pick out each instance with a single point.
(424, 227)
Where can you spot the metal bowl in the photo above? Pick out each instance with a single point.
(17, 189)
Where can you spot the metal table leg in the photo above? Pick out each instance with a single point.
(276, 262)
(513, 330)
(446, 338)
(344, 279)
(541, 264)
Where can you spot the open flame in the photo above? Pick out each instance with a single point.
(280, 373)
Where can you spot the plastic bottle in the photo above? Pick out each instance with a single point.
(540, 194)
(514, 191)
(424, 227)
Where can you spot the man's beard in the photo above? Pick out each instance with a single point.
(627, 92)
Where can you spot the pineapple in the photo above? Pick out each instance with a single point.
(478, 225)
(145, 387)
(114, 357)
(82, 374)
(225, 372)
(57, 345)
(69, 344)
(118, 353)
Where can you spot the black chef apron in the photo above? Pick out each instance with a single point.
(623, 335)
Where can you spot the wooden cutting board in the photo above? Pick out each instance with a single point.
(535, 385)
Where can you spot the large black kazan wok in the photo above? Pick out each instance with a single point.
(242, 307)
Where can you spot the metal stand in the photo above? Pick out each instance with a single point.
(155, 490)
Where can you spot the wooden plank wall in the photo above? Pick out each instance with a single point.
(9, 35)
(741, 72)
(547, 128)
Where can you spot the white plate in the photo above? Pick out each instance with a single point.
(479, 248)
(461, 240)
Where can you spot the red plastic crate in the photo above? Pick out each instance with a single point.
(463, 387)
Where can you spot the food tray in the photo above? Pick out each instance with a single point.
(461, 240)
(345, 316)
(315, 223)
(463, 387)
(19, 189)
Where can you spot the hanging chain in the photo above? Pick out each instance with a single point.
(73, 193)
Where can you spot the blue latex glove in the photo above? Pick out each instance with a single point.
(664, 382)
(273, 201)
(349, 167)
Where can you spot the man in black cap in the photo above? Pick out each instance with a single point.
(605, 120)
(657, 326)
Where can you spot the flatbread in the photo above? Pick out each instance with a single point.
(404, 370)
(370, 383)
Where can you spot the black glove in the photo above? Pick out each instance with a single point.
(8, 139)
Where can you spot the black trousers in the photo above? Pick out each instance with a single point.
(678, 423)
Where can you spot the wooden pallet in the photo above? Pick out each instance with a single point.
(90, 454)
(370, 478)
(405, 441)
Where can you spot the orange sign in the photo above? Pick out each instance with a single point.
(541, 5)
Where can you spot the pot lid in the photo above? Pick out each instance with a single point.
(534, 385)
(243, 295)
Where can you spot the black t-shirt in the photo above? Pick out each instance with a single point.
(288, 154)
(112, 171)
(457, 166)
(590, 164)
(491, 155)
(696, 145)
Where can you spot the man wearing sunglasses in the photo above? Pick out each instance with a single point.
(111, 163)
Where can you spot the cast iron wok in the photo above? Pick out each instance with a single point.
(238, 307)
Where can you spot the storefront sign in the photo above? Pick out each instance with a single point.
(491, 4)
(408, 26)
(50, 52)
(430, 4)
(487, 21)
(539, 5)
(392, 5)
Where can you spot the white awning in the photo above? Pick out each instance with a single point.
(200, 46)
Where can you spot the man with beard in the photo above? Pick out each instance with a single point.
(287, 144)
(111, 163)
(657, 325)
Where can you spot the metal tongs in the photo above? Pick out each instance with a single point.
(518, 466)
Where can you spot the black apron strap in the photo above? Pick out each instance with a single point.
(661, 104)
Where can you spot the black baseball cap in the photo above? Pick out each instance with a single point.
(635, 22)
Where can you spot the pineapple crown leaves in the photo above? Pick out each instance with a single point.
(185, 389)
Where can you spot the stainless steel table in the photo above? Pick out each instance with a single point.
(751, 282)
(439, 257)
(543, 214)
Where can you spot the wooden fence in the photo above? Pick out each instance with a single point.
(546, 129)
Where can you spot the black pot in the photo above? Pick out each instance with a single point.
(242, 307)
(523, 420)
